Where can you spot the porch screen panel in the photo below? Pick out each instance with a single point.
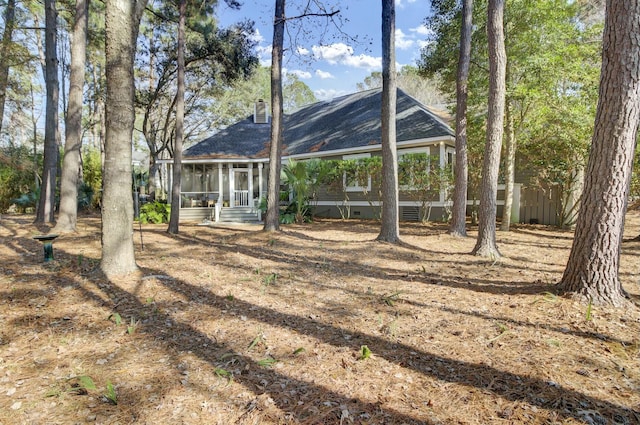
(198, 178)
(187, 178)
(211, 178)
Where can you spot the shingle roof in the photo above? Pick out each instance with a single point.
(346, 122)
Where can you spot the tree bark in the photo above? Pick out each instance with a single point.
(177, 147)
(390, 227)
(594, 261)
(71, 164)
(122, 19)
(510, 169)
(5, 47)
(486, 242)
(459, 211)
(47, 200)
(272, 217)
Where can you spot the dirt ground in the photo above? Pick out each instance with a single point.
(318, 324)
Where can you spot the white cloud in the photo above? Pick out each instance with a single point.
(402, 42)
(341, 54)
(424, 43)
(334, 53)
(328, 94)
(324, 74)
(302, 51)
(303, 75)
(256, 36)
(364, 61)
(401, 3)
(422, 30)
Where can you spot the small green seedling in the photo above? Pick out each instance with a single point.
(502, 329)
(111, 395)
(267, 362)
(270, 279)
(299, 350)
(548, 297)
(589, 314)
(365, 353)
(116, 318)
(230, 297)
(257, 340)
(83, 384)
(80, 386)
(223, 373)
(391, 299)
(132, 326)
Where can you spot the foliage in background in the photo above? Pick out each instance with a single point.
(553, 63)
(156, 212)
(421, 178)
(426, 90)
(237, 103)
(302, 177)
(18, 176)
(92, 177)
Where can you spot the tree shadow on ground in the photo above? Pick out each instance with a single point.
(566, 403)
(563, 402)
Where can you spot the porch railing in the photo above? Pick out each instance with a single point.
(241, 198)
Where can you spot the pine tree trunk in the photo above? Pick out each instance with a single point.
(5, 53)
(118, 257)
(272, 217)
(390, 227)
(459, 211)
(46, 203)
(593, 265)
(71, 164)
(510, 170)
(177, 147)
(486, 242)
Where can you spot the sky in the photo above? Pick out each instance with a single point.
(332, 65)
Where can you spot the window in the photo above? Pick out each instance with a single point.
(413, 168)
(451, 157)
(356, 179)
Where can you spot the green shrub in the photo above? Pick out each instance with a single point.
(26, 200)
(156, 212)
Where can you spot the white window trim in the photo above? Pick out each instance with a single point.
(449, 150)
(401, 152)
(344, 175)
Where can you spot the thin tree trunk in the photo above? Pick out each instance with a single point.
(390, 228)
(5, 53)
(46, 203)
(594, 262)
(510, 167)
(71, 165)
(272, 217)
(177, 148)
(486, 242)
(122, 19)
(34, 129)
(459, 211)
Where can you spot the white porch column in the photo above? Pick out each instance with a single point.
(515, 205)
(260, 188)
(220, 185)
(232, 195)
(170, 179)
(443, 163)
(250, 185)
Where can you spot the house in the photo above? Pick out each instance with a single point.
(225, 176)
